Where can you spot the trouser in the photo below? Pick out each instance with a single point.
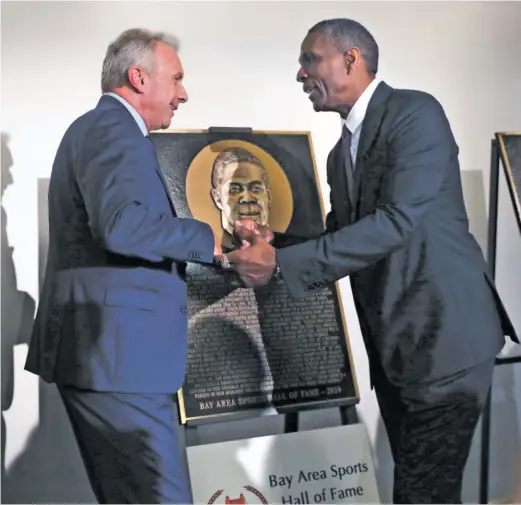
(430, 429)
(129, 445)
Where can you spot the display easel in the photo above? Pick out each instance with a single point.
(348, 414)
(491, 259)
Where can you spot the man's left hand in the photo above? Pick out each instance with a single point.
(255, 264)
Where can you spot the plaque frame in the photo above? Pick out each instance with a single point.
(290, 411)
(507, 166)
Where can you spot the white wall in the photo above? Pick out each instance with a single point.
(240, 60)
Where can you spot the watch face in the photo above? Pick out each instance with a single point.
(224, 261)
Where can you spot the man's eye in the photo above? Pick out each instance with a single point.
(307, 59)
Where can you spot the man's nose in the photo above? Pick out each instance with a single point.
(183, 95)
(301, 75)
(248, 197)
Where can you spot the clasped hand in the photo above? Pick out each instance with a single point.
(255, 261)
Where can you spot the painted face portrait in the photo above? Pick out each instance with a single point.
(240, 188)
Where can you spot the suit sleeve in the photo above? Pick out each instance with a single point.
(115, 174)
(421, 148)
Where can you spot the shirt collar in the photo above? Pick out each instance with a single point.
(139, 120)
(357, 113)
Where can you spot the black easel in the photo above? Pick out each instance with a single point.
(348, 415)
(491, 259)
(229, 129)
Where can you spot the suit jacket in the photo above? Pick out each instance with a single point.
(112, 314)
(426, 302)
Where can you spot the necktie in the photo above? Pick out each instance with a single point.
(348, 163)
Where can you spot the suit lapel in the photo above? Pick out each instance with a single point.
(371, 123)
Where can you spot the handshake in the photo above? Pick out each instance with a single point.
(255, 261)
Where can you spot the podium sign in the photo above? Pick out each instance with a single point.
(329, 465)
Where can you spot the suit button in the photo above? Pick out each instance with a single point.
(184, 309)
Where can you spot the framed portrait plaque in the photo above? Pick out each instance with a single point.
(510, 152)
(254, 351)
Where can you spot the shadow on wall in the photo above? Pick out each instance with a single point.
(383, 463)
(49, 470)
(474, 196)
(17, 306)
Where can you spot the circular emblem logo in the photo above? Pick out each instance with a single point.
(249, 495)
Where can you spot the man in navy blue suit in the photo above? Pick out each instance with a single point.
(111, 326)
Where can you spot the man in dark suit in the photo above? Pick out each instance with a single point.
(111, 327)
(431, 319)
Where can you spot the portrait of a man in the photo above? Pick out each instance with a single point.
(240, 190)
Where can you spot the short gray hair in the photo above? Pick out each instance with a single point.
(347, 33)
(133, 47)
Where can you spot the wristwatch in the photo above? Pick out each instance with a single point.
(277, 274)
(222, 262)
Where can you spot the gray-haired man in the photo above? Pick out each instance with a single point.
(111, 327)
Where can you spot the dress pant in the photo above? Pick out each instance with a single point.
(130, 445)
(430, 429)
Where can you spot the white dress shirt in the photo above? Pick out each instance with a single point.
(356, 116)
(139, 120)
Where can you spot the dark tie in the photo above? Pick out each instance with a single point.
(348, 164)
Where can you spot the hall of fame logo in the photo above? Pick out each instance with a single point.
(254, 496)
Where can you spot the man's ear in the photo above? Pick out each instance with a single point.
(137, 78)
(216, 197)
(351, 57)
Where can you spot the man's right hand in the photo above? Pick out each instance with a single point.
(246, 229)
